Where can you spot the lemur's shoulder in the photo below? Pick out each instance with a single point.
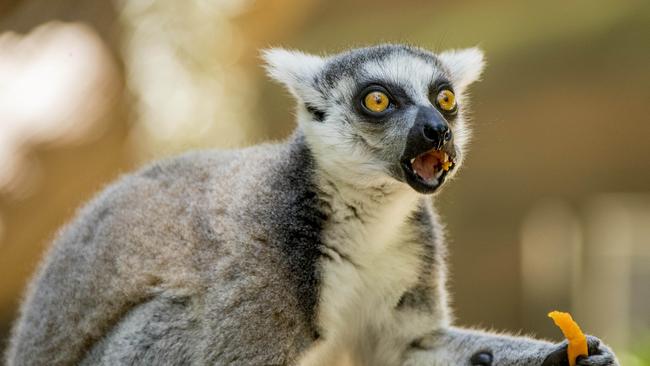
(173, 211)
(218, 175)
(217, 227)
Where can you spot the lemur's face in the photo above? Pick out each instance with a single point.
(383, 114)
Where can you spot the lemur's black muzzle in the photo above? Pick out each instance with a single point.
(429, 154)
(430, 131)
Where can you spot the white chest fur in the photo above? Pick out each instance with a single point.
(373, 265)
(375, 259)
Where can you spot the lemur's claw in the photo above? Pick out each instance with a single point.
(599, 355)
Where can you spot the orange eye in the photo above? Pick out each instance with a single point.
(446, 100)
(376, 101)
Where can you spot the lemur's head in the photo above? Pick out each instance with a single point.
(382, 114)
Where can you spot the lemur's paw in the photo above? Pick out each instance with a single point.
(599, 355)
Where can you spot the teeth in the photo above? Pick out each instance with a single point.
(439, 174)
(412, 161)
(445, 158)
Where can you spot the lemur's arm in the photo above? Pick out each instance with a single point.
(457, 346)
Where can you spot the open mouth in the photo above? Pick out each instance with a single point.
(427, 171)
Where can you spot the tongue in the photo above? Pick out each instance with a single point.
(424, 166)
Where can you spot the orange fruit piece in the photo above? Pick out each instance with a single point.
(573, 334)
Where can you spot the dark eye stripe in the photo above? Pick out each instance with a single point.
(438, 87)
(397, 95)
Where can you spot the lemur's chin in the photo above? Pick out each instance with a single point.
(427, 172)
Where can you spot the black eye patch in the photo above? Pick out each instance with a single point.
(435, 88)
(398, 97)
(316, 113)
(439, 85)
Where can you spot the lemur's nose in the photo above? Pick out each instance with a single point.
(438, 133)
(435, 128)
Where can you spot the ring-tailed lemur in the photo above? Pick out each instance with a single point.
(318, 251)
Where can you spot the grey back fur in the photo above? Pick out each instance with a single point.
(176, 241)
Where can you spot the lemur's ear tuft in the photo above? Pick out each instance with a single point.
(465, 66)
(295, 69)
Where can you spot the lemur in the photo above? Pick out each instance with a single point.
(321, 250)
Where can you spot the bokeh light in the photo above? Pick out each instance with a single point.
(58, 81)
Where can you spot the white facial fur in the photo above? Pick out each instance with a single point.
(340, 146)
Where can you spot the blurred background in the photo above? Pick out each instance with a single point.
(551, 211)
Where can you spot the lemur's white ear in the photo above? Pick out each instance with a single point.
(465, 65)
(295, 69)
